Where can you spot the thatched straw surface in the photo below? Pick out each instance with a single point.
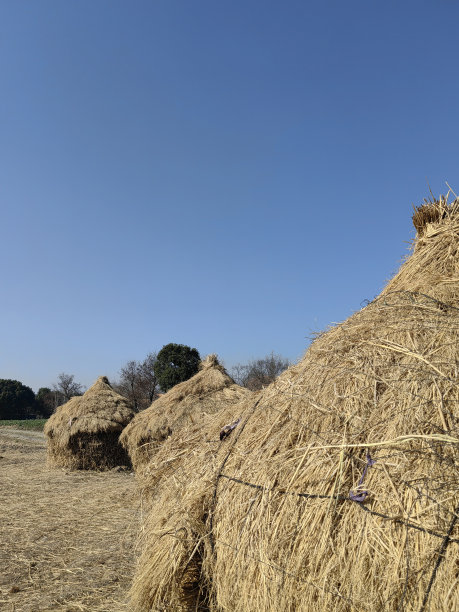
(339, 490)
(84, 432)
(210, 390)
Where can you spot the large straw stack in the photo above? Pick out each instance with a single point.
(339, 490)
(208, 391)
(84, 432)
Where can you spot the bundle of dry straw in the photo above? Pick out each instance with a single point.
(339, 490)
(84, 432)
(210, 390)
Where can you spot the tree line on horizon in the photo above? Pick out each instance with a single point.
(141, 382)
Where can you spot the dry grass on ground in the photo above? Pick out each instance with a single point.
(67, 538)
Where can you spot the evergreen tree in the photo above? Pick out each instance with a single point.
(16, 400)
(174, 364)
(46, 401)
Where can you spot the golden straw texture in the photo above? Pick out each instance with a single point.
(339, 489)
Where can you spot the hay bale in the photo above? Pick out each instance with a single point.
(339, 489)
(208, 391)
(84, 433)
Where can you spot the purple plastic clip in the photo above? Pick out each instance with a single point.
(361, 495)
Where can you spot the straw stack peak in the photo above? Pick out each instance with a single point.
(100, 385)
(210, 361)
(434, 212)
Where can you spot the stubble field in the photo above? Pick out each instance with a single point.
(67, 539)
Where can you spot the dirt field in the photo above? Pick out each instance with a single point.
(67, 539)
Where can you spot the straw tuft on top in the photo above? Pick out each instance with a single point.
(433, 213)
(211, 361)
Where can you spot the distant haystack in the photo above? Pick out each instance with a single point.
(338, 490)
(207, 392)
(84, 432)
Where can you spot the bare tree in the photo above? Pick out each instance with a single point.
(129, 382)
(67, 387)
(259, 373)
(239, 373)
(138, 382)
(148, 380)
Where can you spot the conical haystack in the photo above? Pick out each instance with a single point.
(339, 489)
(84, 432)
(210, 390)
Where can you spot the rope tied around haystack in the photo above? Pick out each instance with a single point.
(359, 496)
(441, 555)
(413, 298)
(344, 498)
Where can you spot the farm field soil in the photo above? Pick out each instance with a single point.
(67, 539)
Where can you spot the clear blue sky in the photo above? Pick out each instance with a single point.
(232, 175)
